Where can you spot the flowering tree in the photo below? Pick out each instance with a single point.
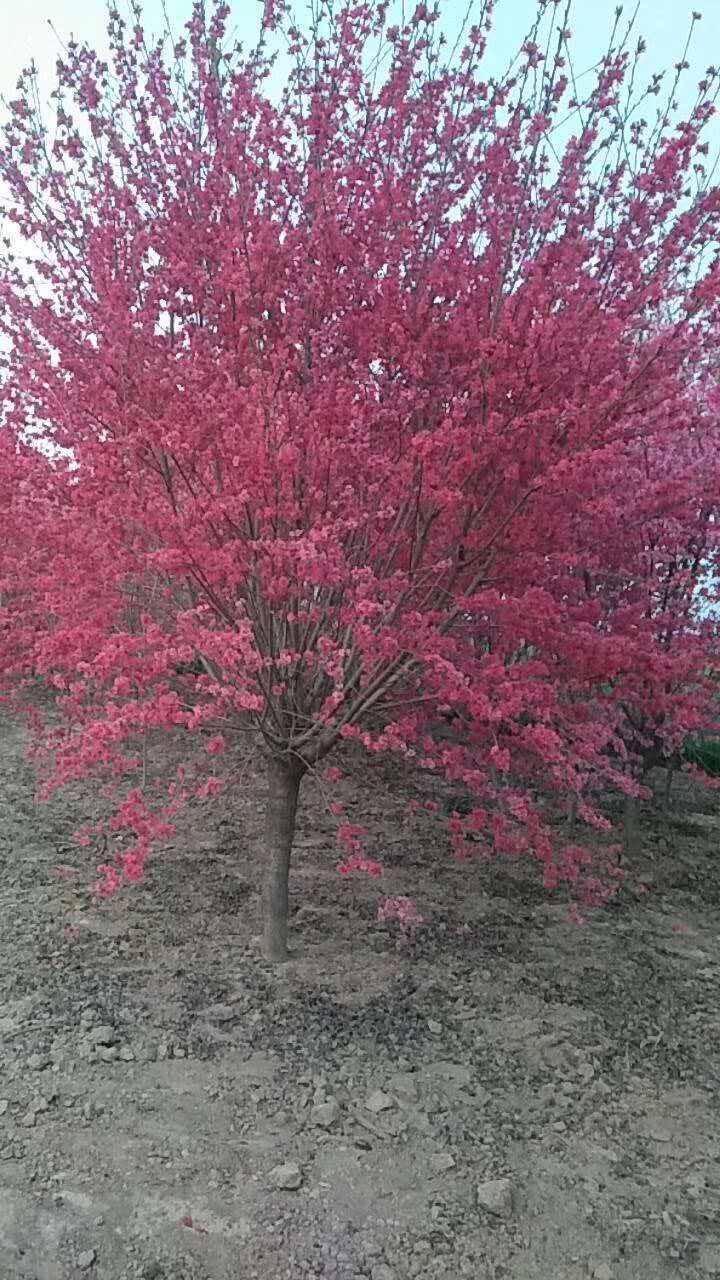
(332, 384)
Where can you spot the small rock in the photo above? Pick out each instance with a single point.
(405, 1086)
(496, 1196)
(86, 1259)
(378, 1101)
(104, 1034)
(657, 1131)
(325, 1114)
(221, 1012)
(38, 1061)
(560, 1126)
(393, 1124)
(107, 1053)
(602, 1272)
(382, 1272)
(4, 1104)
(435, 1028)
(286, 1177)
(442, 1162)
(126, 1054)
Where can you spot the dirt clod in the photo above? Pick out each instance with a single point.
(496, 1196)
(286, 1177)
(378, 1101)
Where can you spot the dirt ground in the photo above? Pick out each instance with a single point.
(507, 1096)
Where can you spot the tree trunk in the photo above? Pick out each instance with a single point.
(669, 772)
(572, 816)
(284, 777)
(632, 825)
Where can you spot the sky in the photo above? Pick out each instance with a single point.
(26, 33)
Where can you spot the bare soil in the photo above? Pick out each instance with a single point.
(154, 1071)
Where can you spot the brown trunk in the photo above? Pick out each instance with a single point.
(284, 777)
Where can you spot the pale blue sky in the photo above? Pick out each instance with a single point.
(26, 33)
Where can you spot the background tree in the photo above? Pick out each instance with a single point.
(658, 605)
(335, 382)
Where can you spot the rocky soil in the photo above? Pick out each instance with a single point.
(508, 1095)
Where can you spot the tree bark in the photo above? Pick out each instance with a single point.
(632, 825)
(669, 773)
(284, 777)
